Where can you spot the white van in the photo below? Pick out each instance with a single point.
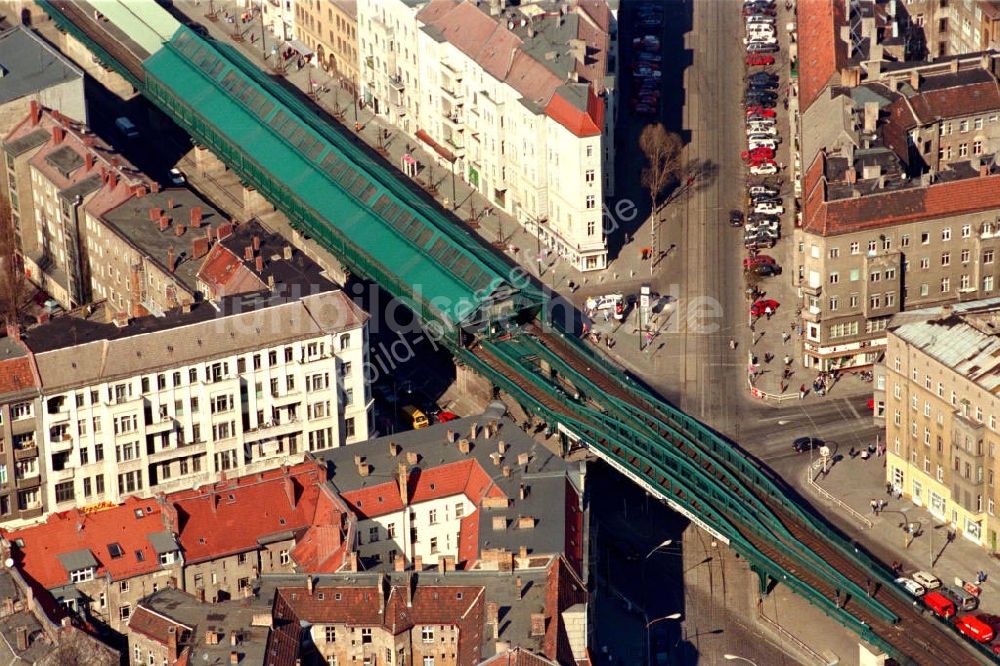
(614, 302)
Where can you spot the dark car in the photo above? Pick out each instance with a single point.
(806, 444)
(736, 218)
(766, 270)
(760, 93)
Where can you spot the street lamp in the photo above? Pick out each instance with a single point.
(731, 657)
(649, 634)
(662, 545)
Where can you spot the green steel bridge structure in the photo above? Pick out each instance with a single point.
(494, 319)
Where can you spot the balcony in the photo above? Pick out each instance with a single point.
(60, 442)
(181, 451)
(24, 450)
(162, 424)
(278, 398)
(397, 82)
(65, 474)
(272, 430)
(453, 119)
(452, 92)
(32, 481)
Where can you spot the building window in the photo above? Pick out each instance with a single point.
(966, 230)
(81, 575)
(390, 530)
(64, 491)
(373, 534)
(349, 427)
(366, 635)
(432, 516)
(591, 202)
(427, 634)
(459, 510)
(977, 147)
(963, 150)
(434, 545)
(988, 283)
(284, 558)
(946, 258)
(330, 633)
(428, 660)
(834, 278)
(125, 612)
(588, 176)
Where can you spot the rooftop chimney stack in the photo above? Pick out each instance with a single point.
(170, 204)
(309, 585)
(286, 252)
(170, 258)
(915, 80)
(22, 638)
(259, 264)
(418, 563)
(36, 113)
(179, 230)
(399, 563)
(256, 243)
(248, 253)
(164, 222)
(195, 217)
(88, 161)
(58, 134)
(537, 624)
(403, 477)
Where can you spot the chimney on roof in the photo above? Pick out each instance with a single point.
(394, 449)
(234, 657)
(288, 485)
(170, 204)
(526, 522)
(915, 80)
(248, 253)
(199, 247)
(195, 218)
(164, 222)
(22, 638)
(851, 175)
(474, 430)
(172, 642)
(211, 638)
(140, 191)
(35, 112)
(112, 181)
(522, 492)
(493, 617)
(501, 447)
(464, 446)
(523, 458)
(309, 585)
(179, 230)
(58, 134)
(446, 563)
(256, 243)
(380, 583)
(270, 281)
(522, 553)
(209, 233)
(954, 66)
(519, 587)
(286, 252)
(499, 523)
(154, 187)
(88, 161)
(352, 561)
(496, 458)
(871, 117)
(418, 563)
(984, 169)
(537, 624)
(399, 563)
(412, 457)
(450, 435)
(155, 213)
(402, 477)
(506, 471)
(259, 264)
(234, 638)
(120, 319)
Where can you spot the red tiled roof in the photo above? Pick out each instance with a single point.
(225, 273)
(468, 541)
(359, 606)
(155, 626)
(873, 211)
(562, 590)
(821, 51)
(16, 375)
(580, 123)
(230, 516)
(71, 531)
(323, 548)
(464, 477)
(957, 100)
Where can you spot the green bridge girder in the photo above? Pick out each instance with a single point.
(664, 469)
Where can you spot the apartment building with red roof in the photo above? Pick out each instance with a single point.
(20, 432)
(898, 183)
(522, 106)
(280, 520)
(98, 562)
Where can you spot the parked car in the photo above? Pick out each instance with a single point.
(766, 19)
(763, 306)
(766, 270)
(754, 94)
(769, 209)
(749, 262)
(911, 586)
(647, 40)
(649, 57)
(928, 580)
(646, 73)
(802, 443)
(963, 600)
(761, 47)
(762, 143)
(939, 604)
(762, 129)
(767, 169)
(757, 154)
(762, 38)
(760, 111)
(736, 218)
(755, 190)
(759, 60)
(177, 177)
(974, 628)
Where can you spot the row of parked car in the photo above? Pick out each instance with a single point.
(947, 601)
(647, 62)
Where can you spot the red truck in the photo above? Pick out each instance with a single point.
(974, 628)
(939, 604)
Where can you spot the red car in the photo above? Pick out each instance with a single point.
(750, 262)
(764, 306)
(444, 417)
(760, 59)
(761, 111)
(757, 154)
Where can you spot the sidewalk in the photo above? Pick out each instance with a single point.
(856, 482)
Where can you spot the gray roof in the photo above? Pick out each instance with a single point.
(163, 542)
(224, 617)
(72, 352)
(131, 221)
(29, 65)
(65, 160)
(75, 560)
(964, 337)
(544, 477)
(25, 143)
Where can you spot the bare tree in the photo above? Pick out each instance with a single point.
(11, 273)
(663, 151)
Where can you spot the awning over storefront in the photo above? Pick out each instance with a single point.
(435, 146)
(299, 48)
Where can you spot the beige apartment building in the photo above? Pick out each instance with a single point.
(330, 29)
(941, 375)
(21, 472)
(956, 27)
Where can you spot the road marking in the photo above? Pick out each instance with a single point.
(853, 411)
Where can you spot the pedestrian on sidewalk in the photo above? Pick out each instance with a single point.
(874, 505)
(768, 356)
(802, 392)
(784, 385)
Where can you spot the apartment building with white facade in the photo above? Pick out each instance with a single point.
(517, 101)
(164, 403)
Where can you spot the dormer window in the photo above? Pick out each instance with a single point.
(81, 575)
(168, 558)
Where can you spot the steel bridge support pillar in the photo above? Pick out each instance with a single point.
(764, 580)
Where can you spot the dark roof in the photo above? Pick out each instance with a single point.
(30, 65)
(65, 160)
(25, 143)
(76, 560)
